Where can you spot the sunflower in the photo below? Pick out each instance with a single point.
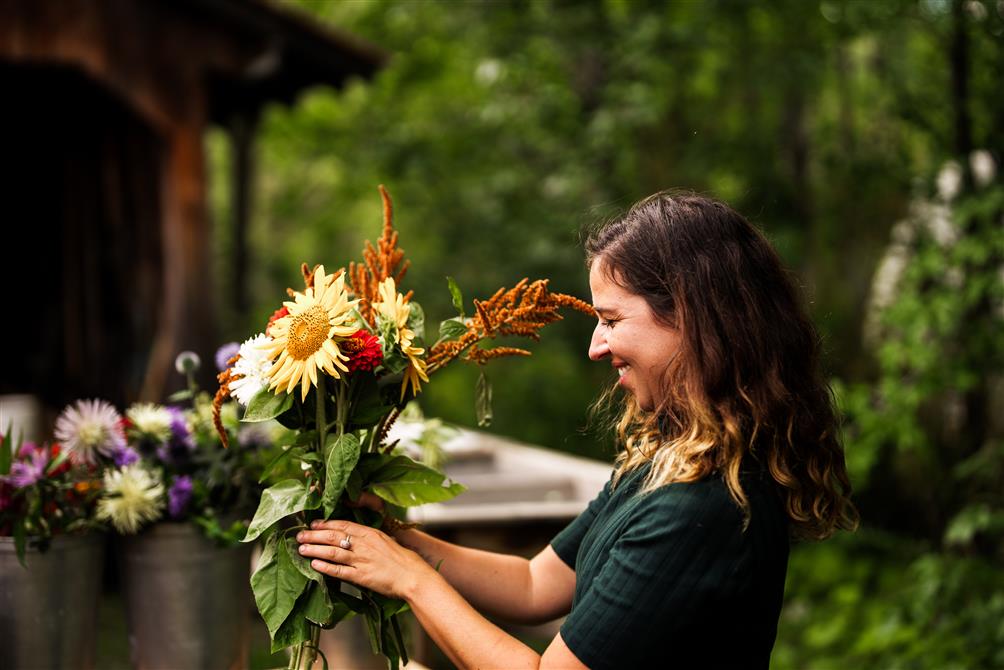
(302, 339)
(393, 308)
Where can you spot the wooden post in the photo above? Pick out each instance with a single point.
(186, 321)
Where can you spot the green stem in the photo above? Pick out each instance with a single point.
(322, 424)
(343, 406)
(311, 647)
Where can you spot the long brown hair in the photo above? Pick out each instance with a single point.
(746, 382)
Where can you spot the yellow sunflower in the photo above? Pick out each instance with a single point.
(393, 308)
(303, 338)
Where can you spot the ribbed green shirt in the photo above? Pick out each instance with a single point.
(670, 579)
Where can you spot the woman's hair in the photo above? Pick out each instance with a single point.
(746, 380)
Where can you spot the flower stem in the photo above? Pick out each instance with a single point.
(311, 647)
(322, 424)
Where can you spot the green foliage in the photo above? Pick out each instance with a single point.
(401, 481)
(874, 601)
(280, 500)
(343, 454)
(266, 405)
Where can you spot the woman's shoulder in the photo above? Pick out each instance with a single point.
(708, 499)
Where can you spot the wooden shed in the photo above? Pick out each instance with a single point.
(106, 265)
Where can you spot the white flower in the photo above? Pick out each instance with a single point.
(151, 420)
(89, 427)
(133, 496)
(983, 167)
(253, 366)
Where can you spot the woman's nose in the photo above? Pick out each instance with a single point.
(598, 347)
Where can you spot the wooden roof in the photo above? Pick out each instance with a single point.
(295, 52)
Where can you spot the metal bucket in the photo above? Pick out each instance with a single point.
(49, 611)
(187, 600)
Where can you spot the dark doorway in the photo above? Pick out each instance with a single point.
(81, 261)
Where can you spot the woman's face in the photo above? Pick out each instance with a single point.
(639, 346)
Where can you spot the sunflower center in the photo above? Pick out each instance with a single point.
(307, 332)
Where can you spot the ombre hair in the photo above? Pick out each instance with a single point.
(745, 387)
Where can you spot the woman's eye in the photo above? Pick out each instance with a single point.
(609, 323)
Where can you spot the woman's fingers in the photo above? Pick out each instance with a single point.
(326, 552)
(339, 570)
(332, 537)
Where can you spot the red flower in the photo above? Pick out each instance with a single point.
(278, 314)
(364, 351)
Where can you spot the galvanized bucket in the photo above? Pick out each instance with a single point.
(49, 611)
(187, 600)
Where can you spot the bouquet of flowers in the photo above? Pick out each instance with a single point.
(52, 488)
(337, 364)
(172, 466)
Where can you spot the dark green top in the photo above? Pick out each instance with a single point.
(670, 579)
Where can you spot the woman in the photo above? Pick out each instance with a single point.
(730, 446)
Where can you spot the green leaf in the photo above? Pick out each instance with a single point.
(399, 637)
(407, 483)
(287, 497)
(354, 485)
(373, 622)
(178, 396)
(451, 329)
(266, 405)
(57, 461)
(7, 449)
(483, 400)
(390, 606)
(284, 453)
(318, 606)
(354, 604)
(342, 458)
(457, 296)
(294, 630)
(277, 583)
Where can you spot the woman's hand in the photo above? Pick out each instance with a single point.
(372, 560)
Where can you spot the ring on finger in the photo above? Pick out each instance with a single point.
(346, 542)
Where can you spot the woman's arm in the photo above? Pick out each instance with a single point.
(375, 561)
(509, 587)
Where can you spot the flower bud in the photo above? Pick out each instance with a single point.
(187, 362)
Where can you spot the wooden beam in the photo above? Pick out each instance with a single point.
(188, 308)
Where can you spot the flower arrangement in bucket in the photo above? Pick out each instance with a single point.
(51, 489)
(337, 364)
(170, 466)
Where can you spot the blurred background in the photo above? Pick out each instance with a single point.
(864, 137)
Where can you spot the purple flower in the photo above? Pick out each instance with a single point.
(125, 456)
(224, 354)
(28, 472)
(180, 444)
(179, 495)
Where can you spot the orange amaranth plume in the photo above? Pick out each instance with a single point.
(222, 393)
(522, 310)
(378, 264)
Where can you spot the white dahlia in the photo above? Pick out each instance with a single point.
(252, 365)
(90, 427)
(133, 496)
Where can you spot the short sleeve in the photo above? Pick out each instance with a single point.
(566, 543)
(657, 591)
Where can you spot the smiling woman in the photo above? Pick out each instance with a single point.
(729, 447)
